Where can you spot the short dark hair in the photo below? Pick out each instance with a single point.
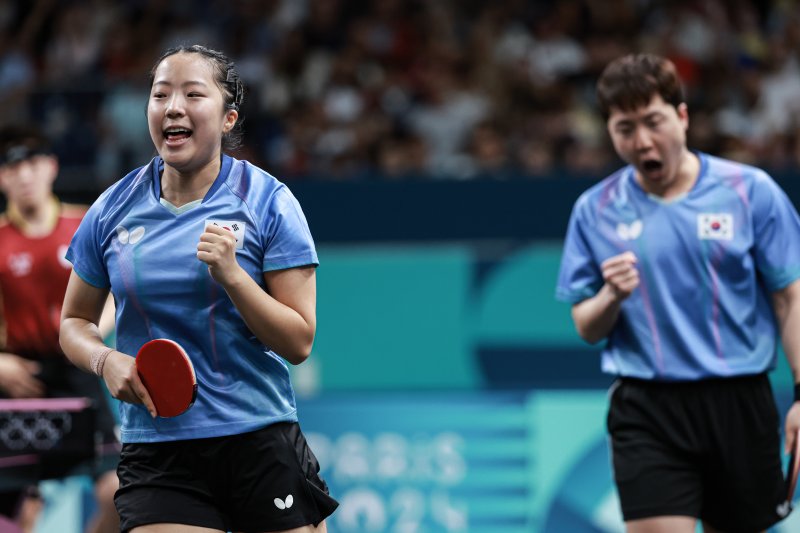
(227, 79)
(631, 81)
(19, 142)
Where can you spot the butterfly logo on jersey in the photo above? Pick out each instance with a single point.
(130, 237)
(20, 264)
(715, 226)
(237, 227)
(629, 232)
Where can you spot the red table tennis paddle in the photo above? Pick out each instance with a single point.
(168, 376)
(792, 469)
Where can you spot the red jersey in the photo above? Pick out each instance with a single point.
(33, 280)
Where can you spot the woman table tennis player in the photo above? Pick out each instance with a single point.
(214, 254)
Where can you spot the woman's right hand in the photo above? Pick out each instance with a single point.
(122, 380)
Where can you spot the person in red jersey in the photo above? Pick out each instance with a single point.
(35, 231)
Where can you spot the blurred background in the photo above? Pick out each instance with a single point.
(437, 147)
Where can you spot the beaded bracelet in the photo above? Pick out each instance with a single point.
(98, 359)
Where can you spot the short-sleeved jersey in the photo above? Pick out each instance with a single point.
(707, 262)
(33, 279)
(145, 252)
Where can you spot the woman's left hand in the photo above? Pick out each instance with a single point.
(217, 249)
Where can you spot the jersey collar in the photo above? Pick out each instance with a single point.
(224, 169)
(16, 219)
(631, 177)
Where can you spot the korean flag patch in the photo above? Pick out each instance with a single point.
(237, 227)
(716, 226)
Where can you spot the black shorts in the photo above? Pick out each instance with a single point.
(265, 480)
(708, 449)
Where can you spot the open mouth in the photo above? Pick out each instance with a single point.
(176, 135)
(651, 165)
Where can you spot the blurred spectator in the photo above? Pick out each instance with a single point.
(489, 151)
(73, 50)
(332, 82)
(400, 156)
(536, 158)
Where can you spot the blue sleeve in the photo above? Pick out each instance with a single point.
(85, 250)
(579, 277)
(776, 232)
(288, 241)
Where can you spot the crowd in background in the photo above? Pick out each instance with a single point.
(404, 89)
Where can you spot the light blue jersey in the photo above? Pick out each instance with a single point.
(145, 251)
(707, 262)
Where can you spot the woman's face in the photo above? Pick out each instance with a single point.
(186, 112)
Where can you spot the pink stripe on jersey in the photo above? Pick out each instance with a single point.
(651, 322)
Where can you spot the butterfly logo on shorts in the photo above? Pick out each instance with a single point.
(284, 504)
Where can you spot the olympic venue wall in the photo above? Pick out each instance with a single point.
(447, 285)
(447, 390)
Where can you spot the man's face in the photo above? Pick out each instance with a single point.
(29, 183)
(652, 138)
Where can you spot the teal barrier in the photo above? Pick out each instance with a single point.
(419, 316)
(480, 462)
(394, 317)
(457, 316)
(509, 443)
(448, 462)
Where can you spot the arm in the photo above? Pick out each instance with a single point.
(17, 374)
(595, 317)
(283, 317)
(80, 337)
(786, 303)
